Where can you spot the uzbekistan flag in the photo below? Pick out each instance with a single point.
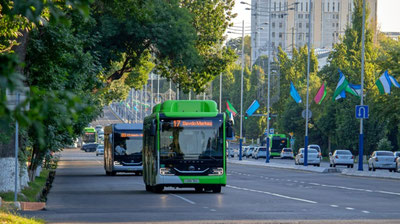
(385, 83)
(230, 108)
(320, 94)
(293, 92)
(340, 87)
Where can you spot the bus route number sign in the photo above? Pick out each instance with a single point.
(126, 135)
(192, 123)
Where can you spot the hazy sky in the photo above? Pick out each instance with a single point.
(388, 15)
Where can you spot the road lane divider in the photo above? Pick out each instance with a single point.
(185, 199)
(272, 194)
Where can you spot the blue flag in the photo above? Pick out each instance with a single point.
(294, 93)
(253, 107)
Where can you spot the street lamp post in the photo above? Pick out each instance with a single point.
(269, 76)
(241, 97)
(308, 84)
(361, 137)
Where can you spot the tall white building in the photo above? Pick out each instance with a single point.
(290, 22)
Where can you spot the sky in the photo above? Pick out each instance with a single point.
(388, 15)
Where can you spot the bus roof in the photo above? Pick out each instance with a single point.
(89, 129)
(125, 127)
(187, 108)
(277, 135)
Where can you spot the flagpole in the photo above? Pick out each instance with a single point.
(269, 76)
(241, 97)
(308, 85)
(220, 93)
(361, 137)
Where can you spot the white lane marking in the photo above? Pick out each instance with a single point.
(213, 210)
(334, 206)
(388, 192)
(366, 212)
(99, 161)
(348, 208)
(205, 207)
(316, 184)
(302, 182)
(295, 181)
(185, 199)
(273, 194)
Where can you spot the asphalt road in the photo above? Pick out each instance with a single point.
(82, 193)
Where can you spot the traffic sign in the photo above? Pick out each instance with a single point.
(291, 134)
(303, 114)
(362, 111)
(271, 131)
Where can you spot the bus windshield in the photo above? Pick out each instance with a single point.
(128, 143)
(89, 137)
(191, 139)
(278, 143)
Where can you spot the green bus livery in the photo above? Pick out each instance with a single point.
(277, 143)
(89, 135)
(184, 146)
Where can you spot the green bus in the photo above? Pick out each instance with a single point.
(276, 143)
(89, 135)
(184, 146)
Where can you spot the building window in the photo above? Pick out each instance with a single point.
(333, 34)
(301, 7)
(274, 6)
(300, 25)
(273, 44)
(280, 44)
(333, 24)
(337, 24)
(337, 34)
(306, 6)
(273, 34)
(280, 35)
(307, 25)
(328, 6)
(280, 25)
(306, 16)
(337, 16)
(273, 25)
(333, 7)
(338, 6)
(280, 6)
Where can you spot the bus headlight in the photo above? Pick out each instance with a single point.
(217, 171)
(166, 171)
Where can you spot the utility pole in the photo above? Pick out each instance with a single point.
(220, 93)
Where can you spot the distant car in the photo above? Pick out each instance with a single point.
(249, 152)
(231, 152)
(260, 152)
(99, 129)
(316, 147)
(100, 150)
(287, 153)
(313, 157)
(398, 164)
(91, 147)
(382, 160)
(341, 157)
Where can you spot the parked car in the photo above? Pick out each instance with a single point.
(316, 147)
(313, 157)
(231, 152)
(244, 151)
(91, 147)
(382, 160)
(249, 152)
(341, 157)
(287, 153)
(100, 150)
(260, 152)
(396, 154)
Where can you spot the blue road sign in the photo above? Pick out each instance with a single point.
(362, 112)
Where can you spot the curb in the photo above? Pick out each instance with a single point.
(392, 176)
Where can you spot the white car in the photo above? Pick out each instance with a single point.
(260, 152)
(316, 147)
(382, 160)
(313, 157)
(100, 150)
(341, 157)
(287, 153)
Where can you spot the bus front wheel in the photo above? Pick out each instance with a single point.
(148, 188)
(216, 189)
(158, 189)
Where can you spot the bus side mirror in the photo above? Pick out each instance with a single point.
(229, 130)
(153, 128)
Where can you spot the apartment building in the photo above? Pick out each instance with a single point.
(290, 22)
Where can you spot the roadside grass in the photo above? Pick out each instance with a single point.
(9, 218)
(30, 192)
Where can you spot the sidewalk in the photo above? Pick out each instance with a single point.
(344, 171)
